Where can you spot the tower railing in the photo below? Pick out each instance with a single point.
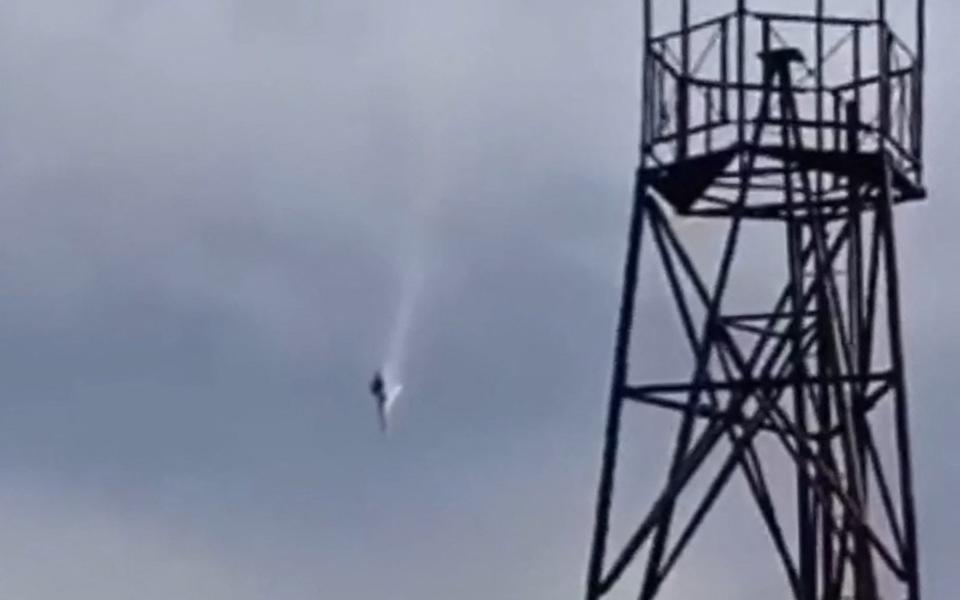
(699, 101)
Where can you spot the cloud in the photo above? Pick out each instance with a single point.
(207, 209)
(58, 544)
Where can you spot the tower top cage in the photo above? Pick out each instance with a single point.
(856, 82)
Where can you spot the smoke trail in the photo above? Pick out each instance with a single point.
(415, 253)
(412, 283)
(437, 152)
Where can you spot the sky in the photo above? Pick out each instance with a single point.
(210, 211)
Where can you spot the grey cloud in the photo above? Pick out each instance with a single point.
(208, 206)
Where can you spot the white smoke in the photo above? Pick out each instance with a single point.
(414, 257)
(412, 280)
(436, 152)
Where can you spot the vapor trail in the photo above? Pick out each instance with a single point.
(412, 280)
(416, 252)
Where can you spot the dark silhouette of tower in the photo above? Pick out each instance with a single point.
(793, 137)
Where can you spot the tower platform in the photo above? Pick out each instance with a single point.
(686, 183)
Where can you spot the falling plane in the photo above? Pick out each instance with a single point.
(385, 396)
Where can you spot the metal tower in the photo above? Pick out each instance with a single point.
(794, 137)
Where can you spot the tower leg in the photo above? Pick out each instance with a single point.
(886, 222)
(617, 384)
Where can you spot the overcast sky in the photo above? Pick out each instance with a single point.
(209, 207)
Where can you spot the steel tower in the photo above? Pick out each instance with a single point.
(793, 137)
